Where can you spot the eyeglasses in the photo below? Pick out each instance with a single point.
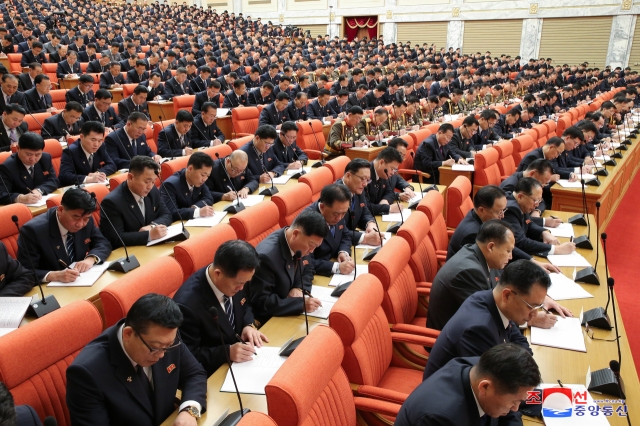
(536, 202)
(364, 179)
(236, 170)
(533, 308)
(590, 335)
(177, 342)
(499, 213)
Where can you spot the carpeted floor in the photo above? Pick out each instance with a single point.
(623, 247)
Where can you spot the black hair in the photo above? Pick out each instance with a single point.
(555, 141)
(334, 193)
(487, 196)
(139, 163)
(526, 186)
(283, 96)
(288, 126)
(389, 155)
(395, 142)
(266, 131)
(14, 108)
(73, 106)
(356, 165)
(510, 367)
(137, 115)
(78, 199)
(574, 132)
(199, 160)
(155, 309)
(311, 223)
(184, 116)
(541, 166)
(103, 94)
(522, 275)
(91, 126)
(140, 89)
(494, 230)
(446, 127)
(31, 140)
(7, 407)
(234, 256)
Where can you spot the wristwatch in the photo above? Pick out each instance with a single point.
(193, 411)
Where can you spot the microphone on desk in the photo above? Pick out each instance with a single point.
(293, 345)
(598, 317)
(627, 141)
(46, 304)
(268, 191)
(599, 172)
(579, 219)
(184, 235)
(583, 240)
(302, 162)
(370, 255)
(235, 417)
(231, 208)
(589, 275)
(337, 292)
(320, 149)
(394, 227)
(430, 187)
(124, 264)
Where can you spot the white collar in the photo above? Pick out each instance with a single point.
(218, 293)
(135, 196)
(63, 231)
(87, 154)
(505, 320)
(133, 363)
(285, 238)
(480, 410)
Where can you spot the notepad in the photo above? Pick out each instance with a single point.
(338, 279)
(12, 310)
(252, 376)
(292, 172)
(251, 200)
(563, 230)
(281, 180)
(172, 231)
(566, 184)
(565, 334)
(563, 288)
(395, 217)
(387, 237)
(573, 259)
(221, 112)
(41, 202)
(86, 279)
(207, 221)
(462, 167)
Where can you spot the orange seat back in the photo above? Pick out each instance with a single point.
(245, 120)
(431, 205)
(162, 275)
(8, 230)
(221, 150)
(158, 126)
(423, 260)
(316, 180)
(551, 128)
(564, 122)
(337, 166)
(35, 121)
(419, 136)
(58, 98)
(183, 102)
(506, 163)
(168, 168)
(458, 201)
(311, 137)
(256, 223)
(486, 168)
(54, 148)
(197, 252)
(100, 190)
(240, 142)
(14, 63)
(291, 202)
(522, 145)
(127, 89)
(116, 180)
(4, 155)
(255, 418)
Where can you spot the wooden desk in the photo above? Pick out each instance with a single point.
(118, 94)
(68, 83)
(609, 193)
(4, 60)
(368, 154)
(162, 110)
(225, 126)
(448, 175)
(326, 128)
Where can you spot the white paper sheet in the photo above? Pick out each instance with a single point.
(221, 112)
(386, 235)
(418, 196)
(395, 217)
(207, 221)
(602, 158)
(41, 202)
(323, 293)
(338, 279)
(291, 172)
(573, 259)
(253, 376)
(563, 288)
(251, 200)
(281, 180)
(86, 279)
(565, 334)
(172, 231)
(563, 230)
(462, 167)
(566, 184)
(323, 311)
(12, 310)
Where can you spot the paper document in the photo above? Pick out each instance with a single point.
(172, 231)
(251, 200)
(41, 202)
(563, 288)
(324, 294)
(395, 217)
(323, 311)
(86, 279)
(462, 167)
(565, 334)
(573, 259)
(281, 180)
(418, 196)
(563, 230)
(566, 184)
(221, 112)
(338, 279)
(292, 172)
(12, 310)
(207, 221)
(557, 404)
(386, 235)
(602, 158)
(253, 376)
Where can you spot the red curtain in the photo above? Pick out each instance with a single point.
(354, 23)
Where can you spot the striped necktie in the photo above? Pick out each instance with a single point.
(229, 310)
(70, 247)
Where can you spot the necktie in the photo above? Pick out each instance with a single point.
(31, 171)
(181, 140)
(332, 228)
(102, 117)
(146, 385)
(91, 161)
(229, 310)
(7, 100)
(141, 205)
(134, 147)
(70, 247)
(441, 151)
(13, 136)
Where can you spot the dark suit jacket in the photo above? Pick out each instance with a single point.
(286, 154)
(123, 210)
(25, 83)
(133, 77)
(473, 330)
(41, 236)
(231, 100)
(200, 99)
(429, 158)
(219, 180)
(17, 181)
(103, 388)
(294, 113)
(175, 189)
(74, 166)
(528, 235)
(83, 56)
(270, 115)
(317, 112)
(74, 95)
(378, 190)
(95, 67)
(195, 297)
(202, 135)
(502, 129)
(26, 415)
(465, 233)
(35, 104)
(269, 161)
(173, 88)
(28, 57)
(168, 143)
(446, 399)
(198, 85)
(362, 214)
(107, 80)
(55, 127)
(331, 245)
(509, 184)
(460, 277)
(460, 145)
(126, 107)
(274, 278)
(64, 68)
(15, 279)
(5, 140)
(111, 119)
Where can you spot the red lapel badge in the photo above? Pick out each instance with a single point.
(242, 302)
(87, 241)
(171, 368)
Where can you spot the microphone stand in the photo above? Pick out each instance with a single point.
(320, 149)
(295, 154)
(344, 286)
(598, 317)
(583, 240)
(589, 275)
(430, 187)
(293, 345)
(46, 304)
(184, 235)
(268, 191)
(370, 255)
(579, 219)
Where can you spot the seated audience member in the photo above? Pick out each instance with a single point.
(262, 160)
(396, 181)
(174, 140)
(27, 174)
(462, 141)
(149, 217)
(185, 194)
(62, 237)
(333, 205)
(237, 97)
(221, 285)
(434, 152)
(68, 67)
(26, 81)
(38, 98)
(129, 141)
(382, 197)
(67, 123)
(83, 92)
(282, 278)
(13, 126)
(103, 112)
(286, 149)
(212, 95)
(320, 108)
(87, 160)
(474, 390)
(155, 88)
(138, 74)
(262, 95)
(129, 374)
(12, 92)
(297, 108)
(231, 178)
(137, 102)
(357, 175)
(345, 132)
(275, 113)
(112, 79)
(18, 415)
(204, 130)
(490, 317)
(16, 280)
(177, 85)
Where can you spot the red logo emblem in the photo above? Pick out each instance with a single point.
(171, 368)
(87, 241)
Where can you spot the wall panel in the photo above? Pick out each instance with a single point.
(498, 37)
(575, 40)
(423, 32)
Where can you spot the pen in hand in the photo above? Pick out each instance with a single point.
(63, 263)
(244, 343)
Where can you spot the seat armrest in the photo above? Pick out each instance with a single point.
(414, 330)
(376, 406)
(413, 339)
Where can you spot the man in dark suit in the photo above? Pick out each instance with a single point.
(212, 95)
(34, 55)
(474, 390)
(185, 194)
(67, 123)
(83, 92)
(12, 126)
(138, 74)
(381, 194)
(204, 131)
(61, 236)
(504, 127)
(320, 108)
(129, 141)
(490, 317)
(59, 55)
(231, 174)
(38, 98)
(28, 174)
(102, 111)
(237, 97)
(99, 65)
(135, 207)
(286, 149)
(220, 285)
(155, 88)
(174, 140)
(278, 285)
(88, 55)
(26, 79)
(333, 205)
(297, 108)
(434, 152)
(356, 178)
(199, 84)
(69, 66)
(137, 102)
(87, 160)
(112, 79)
(15, 279)
(131, 372)
(263, 162)
(178, 85)
(274, 114)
